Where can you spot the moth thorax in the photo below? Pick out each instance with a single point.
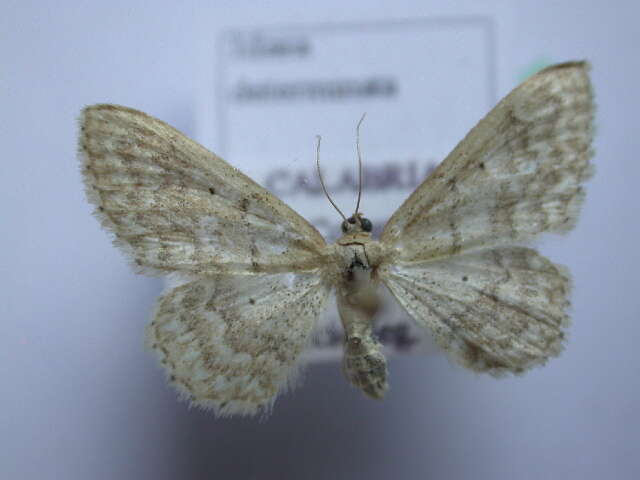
(365, 366)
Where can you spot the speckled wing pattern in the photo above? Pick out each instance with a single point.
(231, 342)
(458, 268)
(496, 310)
(248, 268)
(176, 207)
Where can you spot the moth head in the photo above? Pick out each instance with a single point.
(356, 223)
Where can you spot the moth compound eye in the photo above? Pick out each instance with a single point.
(344, 227)
(366, 224)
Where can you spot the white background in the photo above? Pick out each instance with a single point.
(81, 399)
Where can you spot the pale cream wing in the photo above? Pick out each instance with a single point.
(518, 173)
(231, 342)
(176, 207)
(498, 310)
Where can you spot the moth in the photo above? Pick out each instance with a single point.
(250, 276)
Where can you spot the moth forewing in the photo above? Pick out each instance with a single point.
(176, 207)
(517, 173)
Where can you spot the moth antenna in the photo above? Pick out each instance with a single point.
(359, 163)
(322, 180)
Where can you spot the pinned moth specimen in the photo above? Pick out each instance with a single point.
(250, 276)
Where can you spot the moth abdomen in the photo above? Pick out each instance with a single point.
(365, 366)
